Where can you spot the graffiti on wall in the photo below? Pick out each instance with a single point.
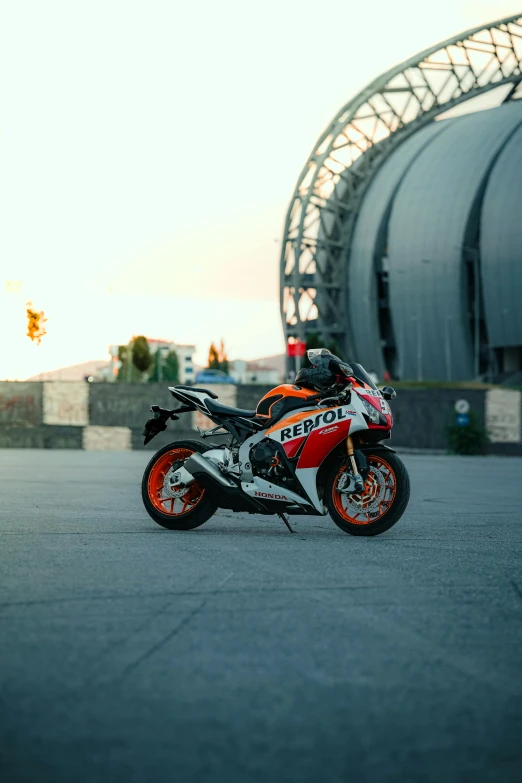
(20, 403)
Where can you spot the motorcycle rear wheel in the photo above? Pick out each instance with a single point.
(382, 502)
(169, 506)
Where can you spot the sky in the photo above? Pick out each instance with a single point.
(149, 150)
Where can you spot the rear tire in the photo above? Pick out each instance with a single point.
(188, 509)
(380, 505)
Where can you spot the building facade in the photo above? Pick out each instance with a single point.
(403, 241)
(253, 373)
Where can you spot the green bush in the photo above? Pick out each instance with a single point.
(472, 439)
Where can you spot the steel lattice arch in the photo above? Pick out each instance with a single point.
(402, 240)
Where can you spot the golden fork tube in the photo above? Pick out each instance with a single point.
(350, 451)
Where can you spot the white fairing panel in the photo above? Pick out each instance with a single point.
(244, 455)
(258, 487)
(308, 479)
(261, 490)
(197, 398)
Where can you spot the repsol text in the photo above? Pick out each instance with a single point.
(307, 425)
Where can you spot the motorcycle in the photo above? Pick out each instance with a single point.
(310, 448)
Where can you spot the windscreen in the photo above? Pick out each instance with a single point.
(360, 373)
(313, 352)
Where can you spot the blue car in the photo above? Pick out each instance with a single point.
(214, 376)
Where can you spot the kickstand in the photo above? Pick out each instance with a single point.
(287, 523)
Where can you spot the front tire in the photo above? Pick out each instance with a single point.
(175, 508)
(382, 502)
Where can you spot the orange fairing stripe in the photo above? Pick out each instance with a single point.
(285, 390)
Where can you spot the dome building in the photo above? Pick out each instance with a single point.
(403, 240)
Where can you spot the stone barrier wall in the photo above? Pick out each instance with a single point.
(421, 417)
(21, 404)
(78, 415)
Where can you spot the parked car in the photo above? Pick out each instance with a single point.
(214, 376)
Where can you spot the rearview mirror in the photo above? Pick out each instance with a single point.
(389, 393)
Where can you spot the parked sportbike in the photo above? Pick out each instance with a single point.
(313, 447)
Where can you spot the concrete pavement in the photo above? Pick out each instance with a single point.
(238, 652)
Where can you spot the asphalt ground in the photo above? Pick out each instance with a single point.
(239, 652)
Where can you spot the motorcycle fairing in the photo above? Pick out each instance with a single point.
(375, 398)
(195, 398)
(318, 431)
(321, 430)
(276, 398)
(260, 489)
(250, 483)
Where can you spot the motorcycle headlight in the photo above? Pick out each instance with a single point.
(373, 413)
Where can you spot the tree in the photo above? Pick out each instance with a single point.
(135, 360)
(127, 371)
(213, 358)
(141, 356)
(222, 356)
(35, 324)
(171, 367)
(217, 358)
(165, 368)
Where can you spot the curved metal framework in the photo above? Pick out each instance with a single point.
(321, 216)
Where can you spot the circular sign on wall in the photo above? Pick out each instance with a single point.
(462, 406)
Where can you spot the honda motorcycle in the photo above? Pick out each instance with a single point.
(311, 448)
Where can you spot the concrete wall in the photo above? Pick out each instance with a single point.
(421, 417)
(21, 404)
(111, 416)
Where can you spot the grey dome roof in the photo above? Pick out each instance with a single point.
(441, 224)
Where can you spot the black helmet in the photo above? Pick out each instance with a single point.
(324, 367)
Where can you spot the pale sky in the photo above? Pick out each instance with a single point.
(149, 150)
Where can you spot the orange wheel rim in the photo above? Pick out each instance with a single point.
(374, 501)
(167, 497)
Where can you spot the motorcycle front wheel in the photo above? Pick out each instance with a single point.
(381, 503)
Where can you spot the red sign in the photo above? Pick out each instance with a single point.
(296, 349)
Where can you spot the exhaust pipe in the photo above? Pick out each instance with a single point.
(196, 464)
(228, 493)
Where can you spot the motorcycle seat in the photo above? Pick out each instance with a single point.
(225, 410)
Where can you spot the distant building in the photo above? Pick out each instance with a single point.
(184, 354)
(186, 365)
(253, 372)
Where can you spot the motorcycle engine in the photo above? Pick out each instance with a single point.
(265, 460)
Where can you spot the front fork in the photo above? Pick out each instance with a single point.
(358, 485)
